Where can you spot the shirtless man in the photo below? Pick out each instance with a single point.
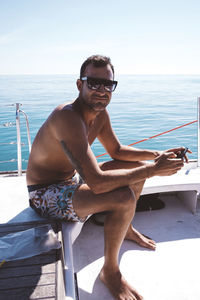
(66, 182)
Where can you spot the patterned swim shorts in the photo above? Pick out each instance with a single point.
(55, 200)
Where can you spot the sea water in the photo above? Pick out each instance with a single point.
(142, 106)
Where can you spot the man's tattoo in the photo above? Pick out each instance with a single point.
(73, 160)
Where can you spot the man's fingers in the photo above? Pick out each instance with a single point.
(189, 151)
(179, 149)
(169, 154)
(175, 149)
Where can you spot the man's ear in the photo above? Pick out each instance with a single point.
(79, 84)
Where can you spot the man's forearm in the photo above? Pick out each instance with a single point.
(109, 180)
(167, 164)
(127, 153)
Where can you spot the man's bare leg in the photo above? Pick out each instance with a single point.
(120, 205)
(110, 273)
(132, 234)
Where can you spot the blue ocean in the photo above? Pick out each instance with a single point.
(142, 106)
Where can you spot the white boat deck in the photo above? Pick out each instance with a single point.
(171, 272)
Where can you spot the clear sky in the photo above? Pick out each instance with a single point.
(140, 36)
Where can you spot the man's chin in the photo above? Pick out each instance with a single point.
(98, 107)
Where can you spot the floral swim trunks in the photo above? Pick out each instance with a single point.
(55, 200)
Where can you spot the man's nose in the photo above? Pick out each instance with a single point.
(101, 89)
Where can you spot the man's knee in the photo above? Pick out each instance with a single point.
(137, 188)
(126, 198)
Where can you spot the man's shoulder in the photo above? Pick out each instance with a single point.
(64, 112)
(65, 120)
(64, 108)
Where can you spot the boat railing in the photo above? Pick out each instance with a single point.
(17, 124)
(19, 153)
(198, 112)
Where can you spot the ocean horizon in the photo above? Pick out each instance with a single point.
(142, 106)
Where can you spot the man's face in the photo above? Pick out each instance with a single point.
(98, 99)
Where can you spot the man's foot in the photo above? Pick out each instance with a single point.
(118, 286)
(142, 240)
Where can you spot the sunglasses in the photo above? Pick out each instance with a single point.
(95, 83)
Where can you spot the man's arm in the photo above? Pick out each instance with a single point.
(70, 131)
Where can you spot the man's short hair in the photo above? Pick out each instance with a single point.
(97, 61)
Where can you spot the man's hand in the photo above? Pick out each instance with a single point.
(167, 164)
(176, 151)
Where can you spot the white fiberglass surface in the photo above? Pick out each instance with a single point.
(170, 272)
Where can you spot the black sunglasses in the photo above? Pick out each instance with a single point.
(95, 83)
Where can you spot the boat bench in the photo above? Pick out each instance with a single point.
(185, 183)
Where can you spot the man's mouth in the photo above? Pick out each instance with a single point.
(98, 97)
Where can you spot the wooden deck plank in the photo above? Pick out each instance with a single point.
(27, 270)
(43, 291)
(34, 260)
(38, 292)
(26, 281)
